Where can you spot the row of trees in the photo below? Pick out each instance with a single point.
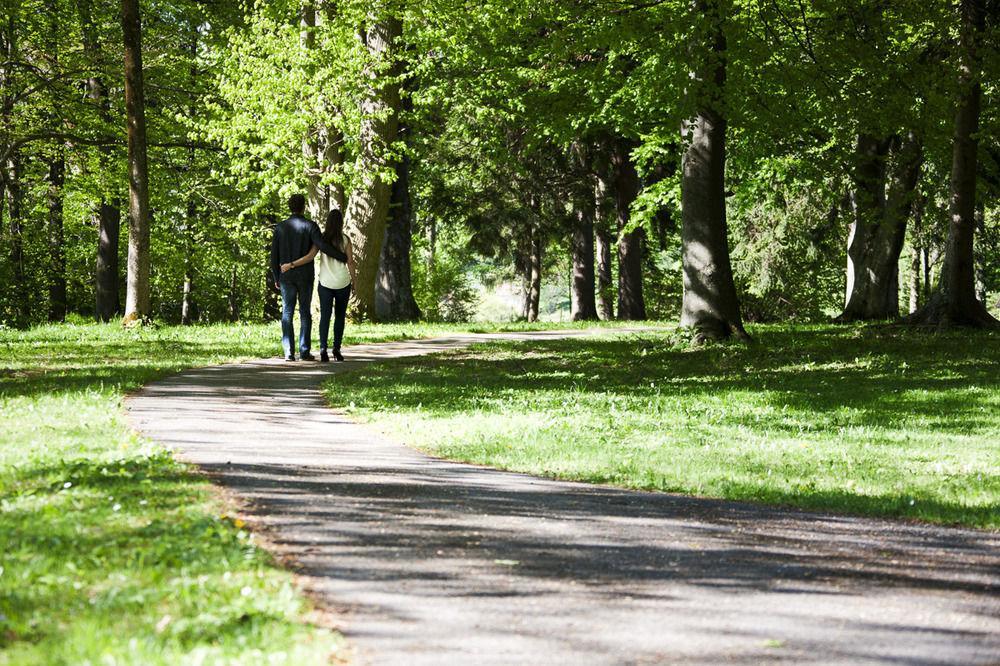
(715, 159)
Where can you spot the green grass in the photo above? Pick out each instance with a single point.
(856, 420)
(110, 551)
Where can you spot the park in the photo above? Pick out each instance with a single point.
(662, 332)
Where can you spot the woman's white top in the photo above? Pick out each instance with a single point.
(334, 274)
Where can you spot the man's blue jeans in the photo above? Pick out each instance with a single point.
(292, 293)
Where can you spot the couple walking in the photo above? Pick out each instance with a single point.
(294, 248)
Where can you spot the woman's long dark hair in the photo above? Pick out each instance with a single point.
(334, 232)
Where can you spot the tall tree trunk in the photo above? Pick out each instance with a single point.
(57, 251)
(583, 304)
(710, 305)
(535, 289)
(137, 298)
(955, 302)
(55, 179)
(605, 277)
(981, 265)
(369, 204)
(107, 214)
(915, 287)
(15, 210)
(879, 225)
(393, 290)
(631, 304)
(187, 296)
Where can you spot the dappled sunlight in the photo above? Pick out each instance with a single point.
(783, 422)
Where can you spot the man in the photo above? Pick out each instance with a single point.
(292, 240)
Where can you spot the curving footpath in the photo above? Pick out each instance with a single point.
(431, 562)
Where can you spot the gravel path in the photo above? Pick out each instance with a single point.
(431, 562)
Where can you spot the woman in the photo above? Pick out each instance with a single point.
(335, 280)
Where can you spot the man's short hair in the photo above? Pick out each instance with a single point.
(297, 203)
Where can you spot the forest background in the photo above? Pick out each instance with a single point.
(723, 161)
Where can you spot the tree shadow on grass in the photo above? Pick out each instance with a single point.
(818, 380)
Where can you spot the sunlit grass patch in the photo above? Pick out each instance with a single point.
(868, 421)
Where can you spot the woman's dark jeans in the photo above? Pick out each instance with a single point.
(328, 299)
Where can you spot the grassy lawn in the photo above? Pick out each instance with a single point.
(111, 552)
(856, 420)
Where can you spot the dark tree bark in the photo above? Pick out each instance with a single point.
(878, 228)
(583, 303)
(107, 214)
(954, 302)
(394, 299)
(108, 228)
(625, 179)
(710, 305)
(57, 251)
(137, 300)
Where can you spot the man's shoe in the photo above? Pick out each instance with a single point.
(307, 357)
(324, 357)
(337, 355)
(289, 357)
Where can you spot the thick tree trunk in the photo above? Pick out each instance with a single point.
(710, 305)
(955, 302)
(631, 304)
(393, 290)
(137, 299)
(369, 204)
(879, 225)
(57, 251)
(109, 217)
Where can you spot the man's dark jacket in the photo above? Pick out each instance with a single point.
(293, 239)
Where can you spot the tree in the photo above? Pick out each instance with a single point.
(710, 304)
(137, 302)
(955, 301)
(368, 208)
(881, 204)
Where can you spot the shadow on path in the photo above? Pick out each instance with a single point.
(434, 562)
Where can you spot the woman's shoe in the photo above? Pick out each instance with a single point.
(324, 357)
(337, 355)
